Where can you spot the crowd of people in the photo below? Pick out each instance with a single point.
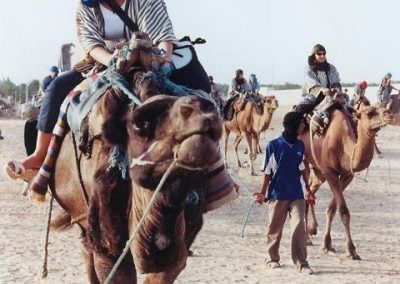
(283, 193)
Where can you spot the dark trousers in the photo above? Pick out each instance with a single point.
(56, 92)
(30, 136)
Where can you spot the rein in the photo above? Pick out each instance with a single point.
(176, 163)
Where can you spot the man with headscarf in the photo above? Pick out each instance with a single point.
(384, 91)
(283, 168)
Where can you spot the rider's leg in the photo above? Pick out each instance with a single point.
(55, 94)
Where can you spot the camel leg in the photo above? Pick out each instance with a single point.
(312, 225)
(169, 275)
(259, 150)
(126, 273)
(337, 186)
(250, 143)
(235, 147)
(345, 218)
(327, 240)
(225, 133)
(89, 264)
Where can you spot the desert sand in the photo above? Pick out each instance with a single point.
(220, 254)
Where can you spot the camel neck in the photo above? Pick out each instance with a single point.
(364, 149)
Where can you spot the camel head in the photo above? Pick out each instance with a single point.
(270, 104)
(372, 118)
(165, 128)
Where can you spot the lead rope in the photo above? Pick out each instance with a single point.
(46, 242)
(175, 163)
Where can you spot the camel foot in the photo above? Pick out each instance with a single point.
(309, 242)
(328, 251)
(253, 173)
(245, 164)
(353, 255)
(312, 229)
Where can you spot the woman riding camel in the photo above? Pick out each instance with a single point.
(359, 94)
(254, 84)
(384, 91)
(319, 80)
(98, 30)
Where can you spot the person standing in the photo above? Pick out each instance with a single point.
(283, 168)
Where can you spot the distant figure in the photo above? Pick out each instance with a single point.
(65, 57)
(346, 96)
(359, 94)
(48, 79)
(214, 87)
(1, 137)
(216, 94)
(253, 83)
(239, 84)
(384, 91)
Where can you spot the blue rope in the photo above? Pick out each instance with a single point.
(119, 159)
(247, 217)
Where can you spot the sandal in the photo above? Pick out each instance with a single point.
(20, 172)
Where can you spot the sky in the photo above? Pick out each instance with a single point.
(271, 38)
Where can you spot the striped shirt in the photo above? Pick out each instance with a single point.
(150, 16)
(284, 163)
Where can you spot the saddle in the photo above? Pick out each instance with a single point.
(238, 103)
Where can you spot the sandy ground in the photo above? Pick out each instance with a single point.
(221, 255)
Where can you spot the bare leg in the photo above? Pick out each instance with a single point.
(35, 160)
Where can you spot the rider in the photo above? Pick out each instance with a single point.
(98, 30)
(384, 91)
(239, 84)
(359, 94)
(320, 79)
(254, 85)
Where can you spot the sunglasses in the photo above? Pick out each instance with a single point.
(321, 53)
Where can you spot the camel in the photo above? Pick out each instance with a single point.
(107, 200)
(338, 155)
(188, 127)
(249, 123)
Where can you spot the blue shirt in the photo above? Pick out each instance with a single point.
(284, 163)
(46, 82)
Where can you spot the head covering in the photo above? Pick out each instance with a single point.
(54, 69)
(318, 48)
(388, 75)
(90, 3)
(239, 72)
(363, 84)
(291, 123)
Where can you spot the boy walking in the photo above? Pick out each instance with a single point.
(283, 167)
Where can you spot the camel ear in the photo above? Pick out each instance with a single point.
(144, 118)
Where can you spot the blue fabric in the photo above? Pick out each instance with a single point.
(284, 162)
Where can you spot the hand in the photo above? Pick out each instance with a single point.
(260, 197)
(326, 91)
(167, 68)
(310, 198)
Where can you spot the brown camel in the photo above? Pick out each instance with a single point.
(249, 123)
(338, 155)
(164, 131)
(162, 127)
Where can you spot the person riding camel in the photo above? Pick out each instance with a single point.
(384, 91)
(359, 94)
(320, 81)
(99, 29)
(237, 90)
(254, 84)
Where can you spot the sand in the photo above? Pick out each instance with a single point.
(220, 254)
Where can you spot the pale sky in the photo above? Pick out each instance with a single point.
(271, 38)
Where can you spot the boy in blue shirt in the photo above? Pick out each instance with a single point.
(283, 167)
